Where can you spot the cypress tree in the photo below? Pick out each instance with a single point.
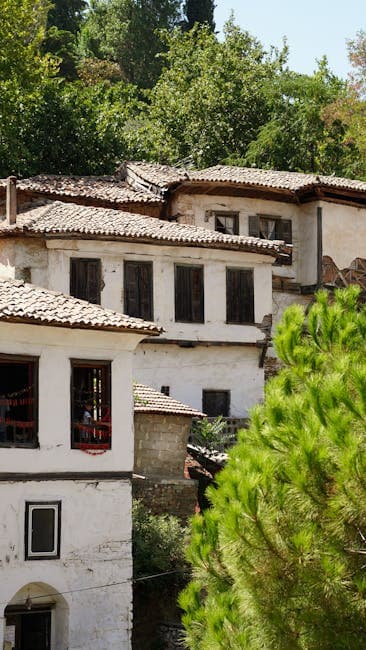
(279, 561)
(199, 11)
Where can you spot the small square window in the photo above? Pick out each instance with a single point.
(42, 530)
(227, 222)
(91, 425)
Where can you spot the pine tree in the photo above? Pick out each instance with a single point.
(199, 11)
(279, 559)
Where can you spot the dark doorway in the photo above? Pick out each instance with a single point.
(32, 629)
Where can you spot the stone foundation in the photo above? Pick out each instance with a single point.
(167, 496)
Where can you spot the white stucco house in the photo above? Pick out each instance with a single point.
(322, 217)
(210, 291)
(66, 461)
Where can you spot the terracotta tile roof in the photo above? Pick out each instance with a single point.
(21, 302)
(90, 222)
(254, 177)
(158, 176)
(148, 400)
(104, 188)
(163, 176)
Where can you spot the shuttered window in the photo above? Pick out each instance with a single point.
(139, 289)
(239, 296)
(189, 294)
(268, 227)
(227, 222)
(216, 402)
(85, 279)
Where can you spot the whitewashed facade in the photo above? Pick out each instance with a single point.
(191, 357)
(81, 592)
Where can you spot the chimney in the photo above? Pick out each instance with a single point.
(11, 200)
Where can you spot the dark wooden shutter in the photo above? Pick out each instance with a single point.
(253, 228)
(189, 294)
(239, 296)
(284, 230)
(216, 402)
(139, 289)
(85, 279)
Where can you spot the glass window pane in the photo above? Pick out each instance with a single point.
(43, 530)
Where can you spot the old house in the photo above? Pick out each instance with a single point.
(210, 291)
(322, 217)
(66, 462)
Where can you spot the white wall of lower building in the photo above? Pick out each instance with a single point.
(55, 347)
(95, 551)
(187, 371)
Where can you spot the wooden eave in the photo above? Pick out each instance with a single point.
(19, 233)
(237, 190)
(23, 320)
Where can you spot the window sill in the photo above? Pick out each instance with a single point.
(19, 445)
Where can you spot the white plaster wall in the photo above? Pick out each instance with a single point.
(95, 551)
(193, 208)
(282, 300)
(55, 347)
(344, 233)
(164, 258)
(189, 371)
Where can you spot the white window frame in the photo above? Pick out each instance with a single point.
(31, 506)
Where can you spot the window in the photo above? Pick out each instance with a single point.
(189, 295)
(139, 289)
(42, 530)
(165, 390)
(85, 279)
(227, 222)
(239, 296)
(91, 404)
(18, 401)
(269, 227)
(216, 402)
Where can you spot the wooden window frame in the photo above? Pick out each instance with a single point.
(227, 392)
(146, 316)
(74, 261)
(229, 319)
(177, 298)
(254, 225)
(22, 358)
(88, 363)
(232, 215)
(42, 505)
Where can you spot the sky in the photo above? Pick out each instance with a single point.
(312, 27)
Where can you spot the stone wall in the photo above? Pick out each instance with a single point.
(161, 444)
(167, 496)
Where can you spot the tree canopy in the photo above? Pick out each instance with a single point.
(199, 11)
(279, 559)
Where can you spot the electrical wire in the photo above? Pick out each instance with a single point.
(109, 584)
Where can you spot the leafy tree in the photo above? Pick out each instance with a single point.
(128, 32)
(158, 543)
(23, 70)
(211, 98)
(67, 15)
(297, 136)
(199, 11)
(279, 559)
(350, 109)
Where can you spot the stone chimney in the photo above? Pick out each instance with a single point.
(11, 200)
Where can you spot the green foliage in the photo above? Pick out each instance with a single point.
(158, 543)
(199, 11)
(279, 559)
(209, 434)
(128, 32)
(67, 15)
(297, 136)
(211, 98)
